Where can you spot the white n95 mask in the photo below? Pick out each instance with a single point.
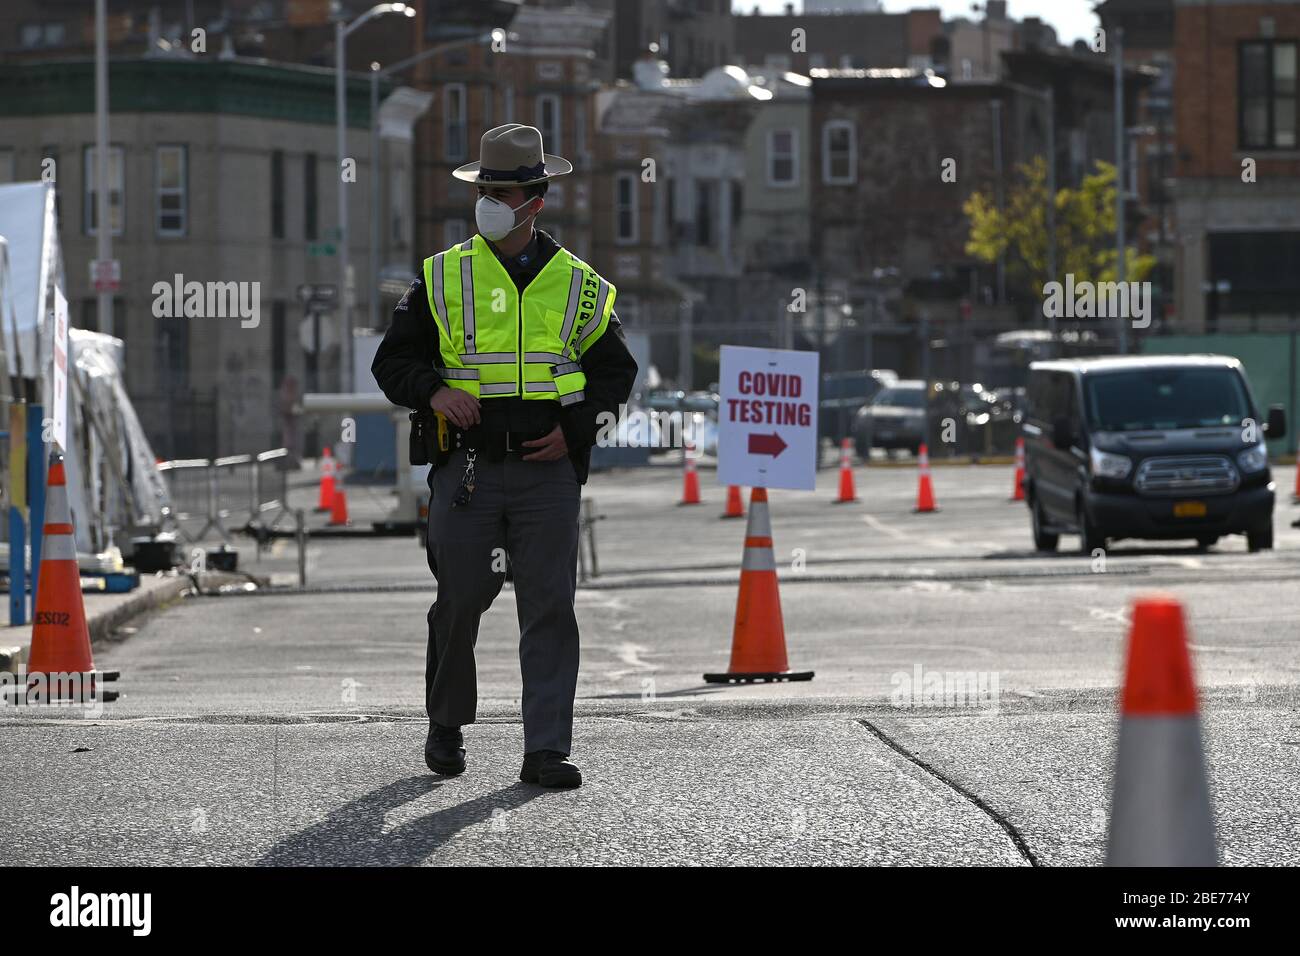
(495, 219)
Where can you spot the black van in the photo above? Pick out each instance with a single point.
(1147, 447)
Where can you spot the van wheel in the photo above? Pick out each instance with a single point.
(1043, 540)
(1090, 539)
(1260, 539)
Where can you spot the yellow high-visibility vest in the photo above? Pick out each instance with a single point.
(495, 343)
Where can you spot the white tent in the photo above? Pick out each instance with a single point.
(112, 483)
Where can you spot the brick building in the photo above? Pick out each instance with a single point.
(1235, 96)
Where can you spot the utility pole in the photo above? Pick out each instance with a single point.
(997, 171)
(1120, 240)
(103, 225)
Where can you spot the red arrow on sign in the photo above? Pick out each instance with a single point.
(766, 444)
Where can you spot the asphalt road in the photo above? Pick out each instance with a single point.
(287, 728)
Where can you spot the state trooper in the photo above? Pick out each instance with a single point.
(513, 344)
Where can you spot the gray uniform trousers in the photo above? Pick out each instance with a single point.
(529, 510)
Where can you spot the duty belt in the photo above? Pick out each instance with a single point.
(496, 445)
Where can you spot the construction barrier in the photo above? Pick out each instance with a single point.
(211, 498)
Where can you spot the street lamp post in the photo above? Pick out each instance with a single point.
(377, 73)
(346, 289)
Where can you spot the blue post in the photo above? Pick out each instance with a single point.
(36, 474)
(17, 569)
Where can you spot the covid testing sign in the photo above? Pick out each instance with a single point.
(767, 418)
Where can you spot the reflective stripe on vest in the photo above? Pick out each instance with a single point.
(492, 344)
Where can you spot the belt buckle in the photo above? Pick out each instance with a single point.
(509, 447)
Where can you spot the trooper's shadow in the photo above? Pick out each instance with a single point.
(353, 834)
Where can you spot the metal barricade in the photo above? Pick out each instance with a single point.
(246, 491)
(189, 485)
(270, 489)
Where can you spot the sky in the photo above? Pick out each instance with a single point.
(1073, 19)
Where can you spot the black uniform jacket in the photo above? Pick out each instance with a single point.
(404, 366)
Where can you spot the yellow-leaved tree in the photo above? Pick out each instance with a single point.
(1085, 231)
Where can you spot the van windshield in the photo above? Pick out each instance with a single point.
(901, 397)
(1152, 399)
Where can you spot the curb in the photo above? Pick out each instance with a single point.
(102, 624)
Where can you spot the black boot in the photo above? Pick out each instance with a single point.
(444, 750)
(549, 768)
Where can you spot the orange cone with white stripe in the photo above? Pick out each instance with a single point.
(325, 500)
(925, 490)
(690, 479)
(735, 507)
(1160, 805)
(60, 639)
(758, 640)
(847, 493)
(1018, 492)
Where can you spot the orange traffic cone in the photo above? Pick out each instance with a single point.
(339, 508)
(847, 494)
(1160, 805)
(758, 641)
(1018, 492)
(925, 491)
(325, 501)
(735, 507)
(690, 480)
(60, 651)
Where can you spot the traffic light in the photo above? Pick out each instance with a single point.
(446, 20)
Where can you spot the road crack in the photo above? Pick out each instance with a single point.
(1017, 840)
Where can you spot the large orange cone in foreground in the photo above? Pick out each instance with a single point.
(847, 494)
(1018, 492)
(1160, 807)
(925, 490)
(758, 642)
(690, 479)
(60, 639)
(325, 500)
(735, 507)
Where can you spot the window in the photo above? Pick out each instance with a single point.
(454, 231)
(580, 134)
(6, 165)
(782, 162)
(454, 145)
(1267, 95)
(173, 205)
(704, 200)
(548, 121)
(116, 205)
(277, 194)
(625, 211)
(839, 153)
(309, 197)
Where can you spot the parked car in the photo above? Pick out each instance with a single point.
(894, 419)
(843, 394)
(1160, 447)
